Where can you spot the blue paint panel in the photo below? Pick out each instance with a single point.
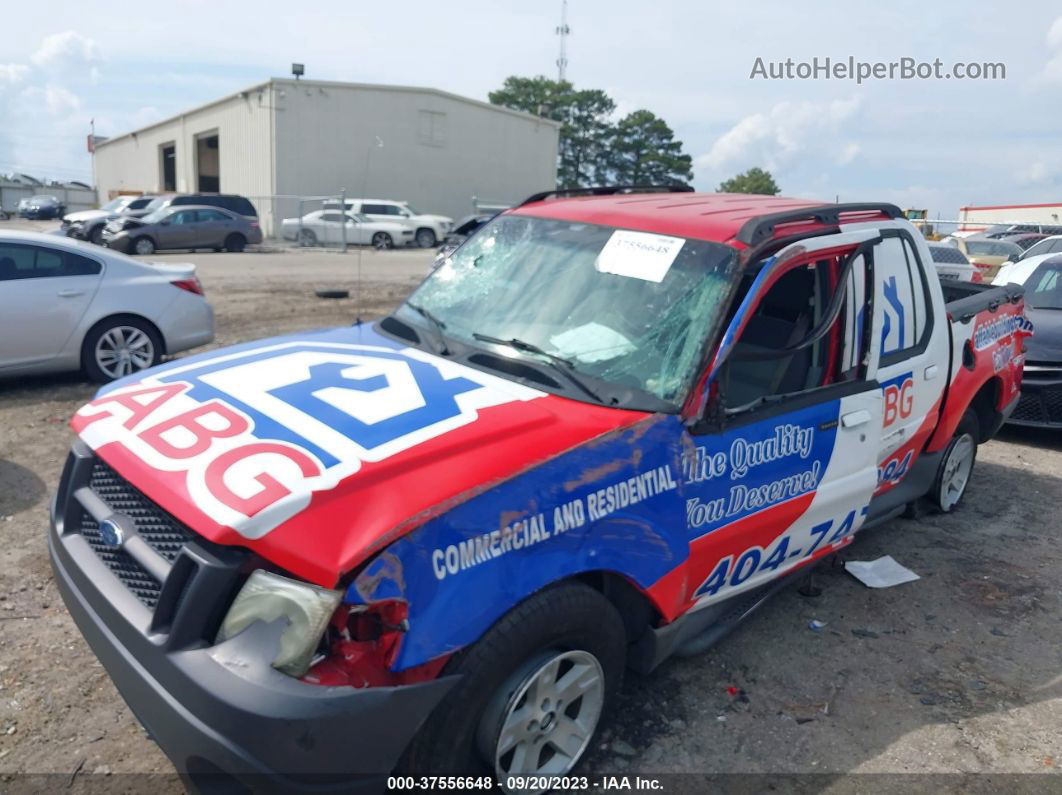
(644, 540)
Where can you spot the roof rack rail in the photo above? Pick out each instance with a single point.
(605, 190)
(756, 230)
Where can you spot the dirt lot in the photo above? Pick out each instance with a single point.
(959, 672)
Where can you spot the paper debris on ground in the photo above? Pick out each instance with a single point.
(881, 573)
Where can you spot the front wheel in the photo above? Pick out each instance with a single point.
(144, 246)
(957, 464)
(533, 690)
(426, 238)
(382, 240)
(96, 235)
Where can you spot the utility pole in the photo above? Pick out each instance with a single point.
(562, 31)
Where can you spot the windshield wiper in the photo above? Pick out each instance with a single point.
(437, 326)
(558, 363)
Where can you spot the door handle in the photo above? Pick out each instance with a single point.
(854, 418)
(70, 293)
(930, 372)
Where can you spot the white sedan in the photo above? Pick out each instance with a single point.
(325, 227)
(65, 305)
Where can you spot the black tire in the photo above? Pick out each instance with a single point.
(96, 235)
(567, 617)
(142, 246)
(307, 238)
(426, 238)
(89, 361)
(235, 243)
(946, 496)
(382, 241)
(332, 293)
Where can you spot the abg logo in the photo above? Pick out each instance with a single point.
(899, 400)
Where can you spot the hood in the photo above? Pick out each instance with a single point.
(87, 215)
(1045, 345)
(317, 450)
(439, 219)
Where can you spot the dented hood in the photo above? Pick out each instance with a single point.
(317, 450)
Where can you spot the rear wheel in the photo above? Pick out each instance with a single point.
(119, 347)
(235, 243)
(144, 246)
(956, 466)
(426, 238)
(382, 240)
(307, 238)
(533, 690)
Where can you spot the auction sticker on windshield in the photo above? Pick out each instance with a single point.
(639, 255)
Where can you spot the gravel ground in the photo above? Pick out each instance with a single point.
(957, 673)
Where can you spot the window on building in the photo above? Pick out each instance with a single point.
(168, 166)
(432, 128)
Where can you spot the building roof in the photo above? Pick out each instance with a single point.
(705, 216)
(325, 84)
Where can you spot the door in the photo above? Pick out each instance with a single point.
(44, 293)
(783, 468)
(330, 230)
(912, 353)
(177, 230)
(213, 226)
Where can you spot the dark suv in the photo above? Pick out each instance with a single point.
(226, 201)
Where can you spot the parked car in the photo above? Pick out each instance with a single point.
(41, 207)
(325, 227)
(226, 201)
(427, 229)
(1022, 240)
(584, 443)
(182, 226)
(68, 305)
(462, 230)
(952, 264)
(1041, 388)
(88, 224)
(987, 254)
(1049, 245)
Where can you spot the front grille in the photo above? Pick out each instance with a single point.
(1029, 409)
(1040, 406)
(161, 531)
(1052, 404)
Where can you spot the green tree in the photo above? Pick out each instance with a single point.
(755, 180)
(585, 123)
(644, 152)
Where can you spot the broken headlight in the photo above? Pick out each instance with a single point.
(267, 597)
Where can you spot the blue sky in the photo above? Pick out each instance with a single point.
(937, 144)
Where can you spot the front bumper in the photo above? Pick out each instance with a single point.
(221, 713)
(1040, 405)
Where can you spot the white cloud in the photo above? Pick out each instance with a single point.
(13, 72)
(1052, 71)
(56, 99)
(775, 137)
(1039, 175)
(68, 53)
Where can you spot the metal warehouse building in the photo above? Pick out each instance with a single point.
(297, 138)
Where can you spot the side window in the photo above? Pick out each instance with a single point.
(211, 215)
(900, 290)
(332, 218)
(241, 206)
(374, 209)
(776, 353)
(34, 262)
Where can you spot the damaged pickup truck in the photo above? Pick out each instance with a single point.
(603, 431)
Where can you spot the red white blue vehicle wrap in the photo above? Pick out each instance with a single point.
(436, 495)
(324, 450)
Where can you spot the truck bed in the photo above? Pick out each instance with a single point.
(964, 300)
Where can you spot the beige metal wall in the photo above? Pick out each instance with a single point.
(132, 162)
(438, 150)
(976, 218)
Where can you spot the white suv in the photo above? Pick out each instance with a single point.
(428, 229)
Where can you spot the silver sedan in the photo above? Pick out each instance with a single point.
(66, 305)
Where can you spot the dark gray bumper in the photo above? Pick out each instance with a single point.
(221, 713)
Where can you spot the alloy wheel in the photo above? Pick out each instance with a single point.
(123, 350)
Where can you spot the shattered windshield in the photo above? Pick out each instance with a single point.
(629, 308)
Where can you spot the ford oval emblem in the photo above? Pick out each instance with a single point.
(111, 533)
